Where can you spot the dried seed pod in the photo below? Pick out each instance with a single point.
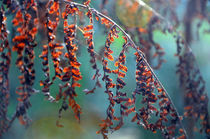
(5, 56)
(24, 43)
(191, 80)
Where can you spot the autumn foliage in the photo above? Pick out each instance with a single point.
(155, 101)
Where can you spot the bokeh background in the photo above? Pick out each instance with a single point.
(44, 113)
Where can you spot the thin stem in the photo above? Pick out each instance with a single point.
(137, 50)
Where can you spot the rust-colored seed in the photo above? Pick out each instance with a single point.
(63, 55)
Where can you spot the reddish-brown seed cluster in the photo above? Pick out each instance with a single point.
(121, 97)
(71, 73)
(51, 25)
(168, 120)
(109, 84)
(196, 100)
(25, 22)
(5, 59)
(88, 34)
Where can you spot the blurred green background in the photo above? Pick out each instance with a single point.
(44, 114)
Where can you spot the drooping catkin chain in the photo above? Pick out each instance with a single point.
(109, 85)
(193, 84)
(88, 34)
(25, 21)
(5, 59)
(51, 24)
(73, 71)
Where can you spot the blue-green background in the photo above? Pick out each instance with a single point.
(44, 114)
